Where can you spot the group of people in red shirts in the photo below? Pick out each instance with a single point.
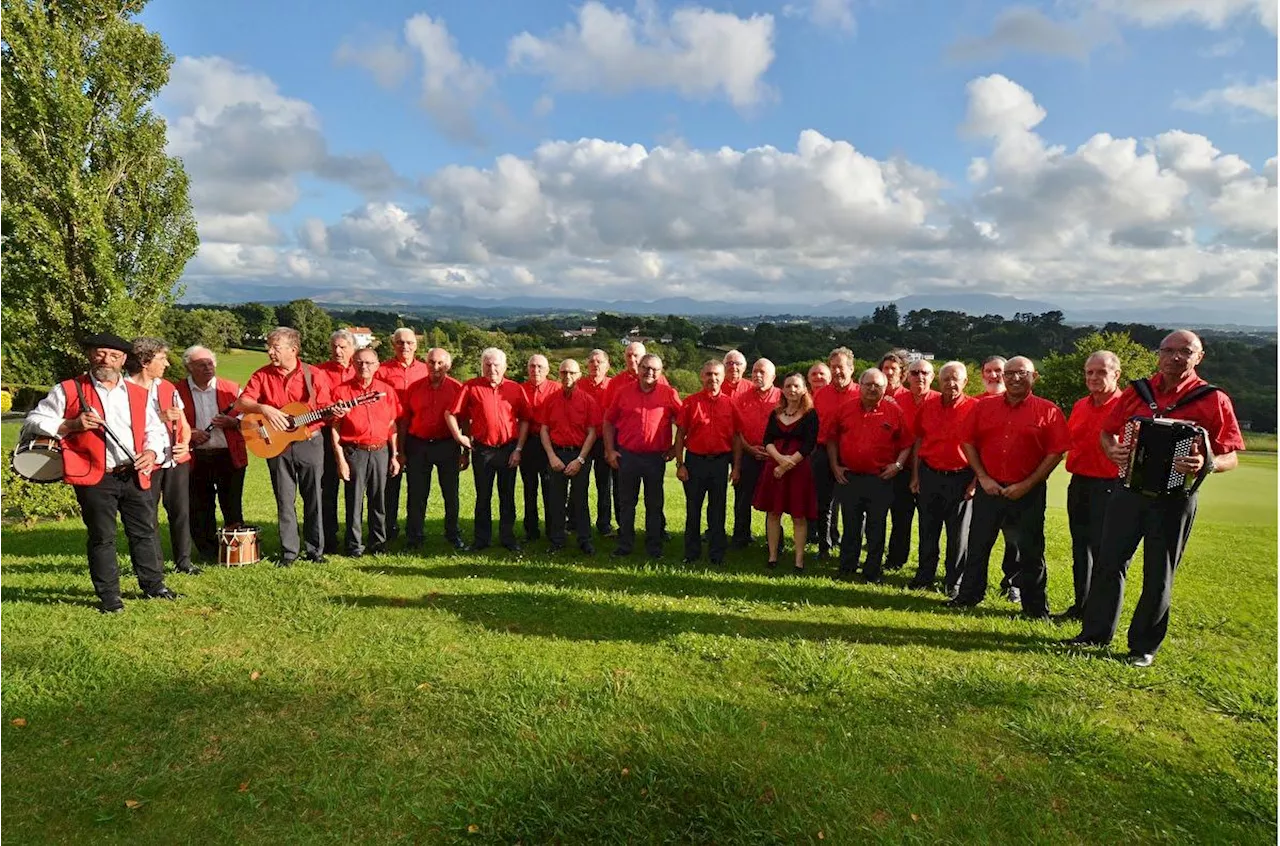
(843, 459)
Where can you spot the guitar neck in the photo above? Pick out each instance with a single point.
(312, 416)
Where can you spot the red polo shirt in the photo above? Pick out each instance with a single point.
(642, 421)
(708, 423)
(400, 376)
(271, 386)
(426, 406)
(495, 412)
(537, 398)
(827, 402)
(568, 416)
(870, 439)
(369, 424)
(337, 373)
(591, 389)
(1214, 412)
(1084, 454)
(941, 430)
(617, 383)
(910, 408)
(739, 388)
(753, 409)
(1012, 440)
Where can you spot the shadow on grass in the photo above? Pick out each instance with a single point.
(49, 596)
(566, 617)
(63, 537)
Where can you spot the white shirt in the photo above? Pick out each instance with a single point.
(51, 412)
(166, 458)
(205, 401)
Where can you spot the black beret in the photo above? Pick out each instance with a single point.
(105, 340)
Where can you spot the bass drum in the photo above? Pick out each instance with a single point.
(38, 460)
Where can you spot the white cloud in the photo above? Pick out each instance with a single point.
(1259, 97)
(833, 13)
(543, 106)
(452, 86)
(697, 52)
(381, 56)
(1028, 30)
(1214, 14)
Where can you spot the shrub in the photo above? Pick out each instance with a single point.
(6, 402)
(27, 502)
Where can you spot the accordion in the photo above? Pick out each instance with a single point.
(1156, 443)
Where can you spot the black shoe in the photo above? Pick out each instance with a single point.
(331, 548)
(1140, 659)
(871, 580)
(717, 562)
(951, 591)
(114, 606)
(414, 545)
(187, 569)
(479, 547)
(606, 532)
(530, 537)
(892, 568)
(845, 575)
(963, 602)
(1081, 640)
(771, 563)
(688, 560)
(798, 569)
(1013, 594)
(359, 554)
(621, 553)
(1035, 618)
(587, 548)
(512, 546)
(740, 543)
(317, 558)
(553, 548)
(286, 562)
(378, 549)
(162, 593)
(916, 584)
(458, 544)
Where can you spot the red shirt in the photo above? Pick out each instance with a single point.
(827, 402)
(642, 421)
(941, 430)
(568, 416)
(708, 423)
(270, 386)
(400, 376)
(753, 409)
(870, 439)
(910, 408)
(369, 424)
(1214, 412)
(596, 392)
(1084, 454)
(1012, 440)
(617, 383)
(426, 405)
(495, 412)
(741, 387)
(537, 398)
(337, 373)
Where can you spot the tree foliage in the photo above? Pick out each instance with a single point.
(1062, 375)
(314, 325)
(97, 223)
(217, 329)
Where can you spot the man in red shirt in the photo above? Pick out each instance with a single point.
(570, 420)
(1162, 523)
(400, 371)
(637, 437)
(596, 385)
(993, 386)
(1012, 443)
(818, 377)
(364, 442)
(427, 445)
(868, 446)
(297, 470)
(537, 390)
(828, 402)
(339, 368)
(630, 373)
(500, 416)
(752, 410)
(941, 477)
(1093, 475)
(736, 381)
(909, 397)
(705, 429)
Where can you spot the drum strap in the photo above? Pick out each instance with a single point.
(1142, 387)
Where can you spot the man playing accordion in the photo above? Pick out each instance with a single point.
(1162, 521)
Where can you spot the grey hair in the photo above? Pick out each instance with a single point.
(1112, 360)
(955, 365)
(493, 353)
(345, 334)
(190, 353)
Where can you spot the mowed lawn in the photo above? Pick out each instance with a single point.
(494, 699)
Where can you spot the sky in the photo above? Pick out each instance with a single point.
(1100, 153)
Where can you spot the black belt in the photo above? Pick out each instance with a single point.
(433, 440)
(365, 447)
(503, 445)
(708, 454)
(124, 471)
(959, 472)
(566, 446)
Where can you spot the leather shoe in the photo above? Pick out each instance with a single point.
(513, 546)
(1140, 659)
(740, 543)
(917, 585)
(459, 544)
(113, 607)
(163, 593)
(1081, 640)
(286, 562)
(962, 602)
(688, 560)
(1013, 594)
(587, 547)
(187, 569)
(621, 553)
(553, 548)
(1035, 618)
(317, 558)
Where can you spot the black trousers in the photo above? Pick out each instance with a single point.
(369, 472)
(99, 505)
(533, 463)
(489, 463)
(824, 529)
(295, 472)
(636, 469)
(566, 500)
(748, 477)
(1025, 529)
(864, 501)
(391, 501)
(423, 456)
(606, 488)
(901, 513)
(330, 484)
(709, 482)
(172, 486)
(1163, 525)
(215, 482)
(943, 505)
(1087, 498)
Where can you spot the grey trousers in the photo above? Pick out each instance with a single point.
(369, 473)
(297, 471)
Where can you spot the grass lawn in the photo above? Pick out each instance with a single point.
(236, 365)
(484, 698)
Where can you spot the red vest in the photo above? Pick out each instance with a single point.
(84, 454)
(225, 392)
(166, 395)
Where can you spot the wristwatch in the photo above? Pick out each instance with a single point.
(898, 464)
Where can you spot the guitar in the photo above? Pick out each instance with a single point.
(266, 441)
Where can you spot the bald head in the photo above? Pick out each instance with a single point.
(1180, 352)
(1019, 377)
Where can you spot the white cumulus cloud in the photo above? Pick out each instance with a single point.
(1260, 97)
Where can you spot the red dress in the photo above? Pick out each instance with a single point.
(794, 493)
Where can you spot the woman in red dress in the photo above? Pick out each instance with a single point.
(786, 483)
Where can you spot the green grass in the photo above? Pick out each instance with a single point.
(236, 365)
(406, 699)
(1260, 441)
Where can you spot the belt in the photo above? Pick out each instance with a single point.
(709, 454)
(124, 471)
(566, 446)
(502, 445)
(363, 447)
(959, 472)
(433, 440)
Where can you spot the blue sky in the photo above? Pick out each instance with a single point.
(1114, 149)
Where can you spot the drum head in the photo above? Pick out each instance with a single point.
(38, 461)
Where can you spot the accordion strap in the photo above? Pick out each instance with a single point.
(1142, 387)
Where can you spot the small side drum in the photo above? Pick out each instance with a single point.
(238, 546)
(38, 460)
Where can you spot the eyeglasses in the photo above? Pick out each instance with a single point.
(1018, 374)
(919, 373)
(1185, 352)
(651, 369)
(570, 373)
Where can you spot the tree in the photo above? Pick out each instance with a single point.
(217, 329)
(258, 320)
(313, 324)
(886, 315)
(97, 223)
(1062, 376)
